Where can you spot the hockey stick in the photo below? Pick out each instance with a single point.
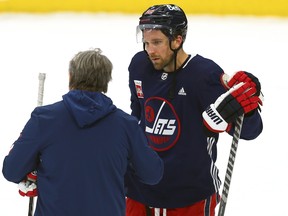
(41, 78)
(230, 166)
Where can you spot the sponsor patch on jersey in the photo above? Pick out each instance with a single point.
(138, 87)
(162, 124)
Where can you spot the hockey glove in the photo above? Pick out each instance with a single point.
(239, 99)
(243, 76)
(28, 187)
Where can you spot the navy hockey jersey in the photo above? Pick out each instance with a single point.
(174, 128)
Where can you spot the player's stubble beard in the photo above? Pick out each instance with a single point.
(162, 66)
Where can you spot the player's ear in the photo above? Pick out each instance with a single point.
(177, 42)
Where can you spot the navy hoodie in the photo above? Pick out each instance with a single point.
(81, 148)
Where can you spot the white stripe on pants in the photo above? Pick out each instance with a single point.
(157, 212)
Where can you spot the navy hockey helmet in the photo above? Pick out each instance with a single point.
(168, 18)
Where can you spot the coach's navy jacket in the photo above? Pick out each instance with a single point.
(81, 147)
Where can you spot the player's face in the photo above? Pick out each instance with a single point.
(156, 44)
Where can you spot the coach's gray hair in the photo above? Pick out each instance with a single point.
(90, 71)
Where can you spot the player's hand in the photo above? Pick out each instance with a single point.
(243, 76)
(28, 187)
(239, 99)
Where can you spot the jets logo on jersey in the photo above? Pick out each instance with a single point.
(138, 87)
(162, 124)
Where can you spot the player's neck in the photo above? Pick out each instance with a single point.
(181, 58)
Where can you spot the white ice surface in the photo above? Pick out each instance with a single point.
(32, 44)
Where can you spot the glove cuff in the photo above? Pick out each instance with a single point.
(32, 176)
(213, 120)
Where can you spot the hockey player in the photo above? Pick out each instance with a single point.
(183, 101)
(81, 147)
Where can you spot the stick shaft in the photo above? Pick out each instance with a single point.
(230, 166)
(41, 78)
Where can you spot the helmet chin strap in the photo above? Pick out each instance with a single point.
(172, 89)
